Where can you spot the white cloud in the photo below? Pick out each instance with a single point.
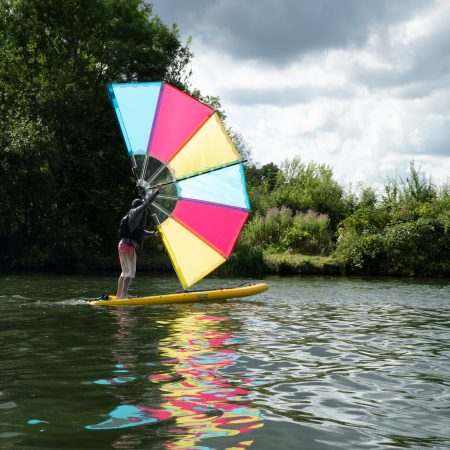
(365, 102)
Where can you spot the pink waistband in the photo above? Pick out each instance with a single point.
(126, 248)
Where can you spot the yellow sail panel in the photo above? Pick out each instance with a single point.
(210, 147)
(192, 258)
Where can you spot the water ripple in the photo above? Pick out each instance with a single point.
(314, 363)
(382, 369)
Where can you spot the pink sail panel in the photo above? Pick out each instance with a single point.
(178, 117)
(217, 225)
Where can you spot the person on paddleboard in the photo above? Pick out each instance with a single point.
(131, 233)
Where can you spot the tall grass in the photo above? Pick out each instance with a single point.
(246, 260)
(279, 230)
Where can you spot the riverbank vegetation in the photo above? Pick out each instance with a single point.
(305, 222)
(65, 178)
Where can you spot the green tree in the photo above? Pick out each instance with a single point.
(63, 165)
(303, 187)
(407, 233)
(415, 187)
(261, 181)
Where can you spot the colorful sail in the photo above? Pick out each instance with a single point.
(186, 141)
(135, 107)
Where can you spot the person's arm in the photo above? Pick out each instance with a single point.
(136, 213)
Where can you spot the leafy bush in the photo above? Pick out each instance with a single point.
(412, 239)
(315, 237)
(281, 231)
(246, 260)
(310, 187)
(407, 233)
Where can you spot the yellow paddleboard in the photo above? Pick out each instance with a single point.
(181, 297)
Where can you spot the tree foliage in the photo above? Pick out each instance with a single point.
(298, 186)
(407, 233)
(62, 158)
(279, 230)
(304, 187)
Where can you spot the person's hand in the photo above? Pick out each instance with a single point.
(142, 184)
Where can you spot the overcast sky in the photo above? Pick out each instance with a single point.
(361, 85)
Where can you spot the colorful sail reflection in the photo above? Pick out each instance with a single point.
(126, 416)
(196, 391)
(200, 401)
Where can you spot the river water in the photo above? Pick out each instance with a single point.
(313, 363)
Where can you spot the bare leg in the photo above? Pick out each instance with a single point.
(126, 285)
(120, 287)
(128, 265)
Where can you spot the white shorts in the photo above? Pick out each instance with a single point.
(127, 257)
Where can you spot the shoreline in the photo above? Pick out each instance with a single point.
(283, 264)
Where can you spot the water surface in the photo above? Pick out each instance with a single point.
(314, 363)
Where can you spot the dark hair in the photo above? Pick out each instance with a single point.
(136, 202)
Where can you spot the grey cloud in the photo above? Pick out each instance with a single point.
(437, 141)
(286, 96)
(281, 31)
(426, 69)
(188, 15)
